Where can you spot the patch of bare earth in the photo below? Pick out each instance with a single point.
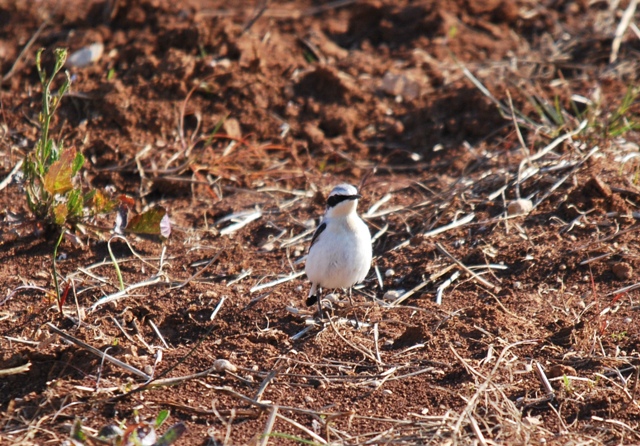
(475, 325)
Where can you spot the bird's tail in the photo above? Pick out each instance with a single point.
(313, 295)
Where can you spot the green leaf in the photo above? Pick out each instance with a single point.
(152, 222)
(74, 203)
(42, 73)
(77, 163)
(51, 154)
(172, 435)
(161, 418)
(99, 202)
(58, 179)
(76, 431)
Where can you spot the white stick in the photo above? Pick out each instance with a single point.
(463, 221)
(276, 282)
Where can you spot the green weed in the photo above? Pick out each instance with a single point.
(54, 194)
(622, 120)
(50, 170)
(619, 337)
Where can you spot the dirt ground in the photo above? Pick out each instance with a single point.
(247, 113)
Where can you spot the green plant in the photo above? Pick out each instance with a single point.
(622, 120)
(50, 169)
(48, 175)
(54, 194)
(567, 384)
(620, 336)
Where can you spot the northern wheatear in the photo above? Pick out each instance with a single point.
(340, 252)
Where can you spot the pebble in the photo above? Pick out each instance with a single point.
(519, 207)
(400, 86)
(622, 271)
(332, 297)
(389, 273)
(222, 365)
(392, 294)
(558, 370)
(86, 56)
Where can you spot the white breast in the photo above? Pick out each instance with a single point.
(341, 257)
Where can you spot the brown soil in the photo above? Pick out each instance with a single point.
(311, 94)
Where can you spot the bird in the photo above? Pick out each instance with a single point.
(340, 252)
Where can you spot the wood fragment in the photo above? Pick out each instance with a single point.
(621, 29)
(542, 376)
(15, 370)
(480, 279)
(276, 282)
(461, 222)
(97, 352)
(124, 293)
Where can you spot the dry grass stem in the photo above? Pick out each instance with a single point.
(96, 352)
(276, 282)
(621, 29)
(477, 277)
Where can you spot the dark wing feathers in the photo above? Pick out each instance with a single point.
(321, 228)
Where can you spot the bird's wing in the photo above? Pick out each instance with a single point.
(321, 228)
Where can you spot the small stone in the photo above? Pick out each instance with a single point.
(222, 365)
(597, 184)
(387, 392)
(392, 84)
(332, 298)
(400, 86)
(86, 56)
(389, 273)
(558, 370)
(313, 133)
(519, 207)
(391, 295)
(623, 271)
(231, 127)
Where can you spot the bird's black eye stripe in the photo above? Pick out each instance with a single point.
(335, 199)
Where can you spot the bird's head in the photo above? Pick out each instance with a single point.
(342, 200)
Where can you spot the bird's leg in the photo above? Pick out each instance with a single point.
(355, 315)
(315, 295)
